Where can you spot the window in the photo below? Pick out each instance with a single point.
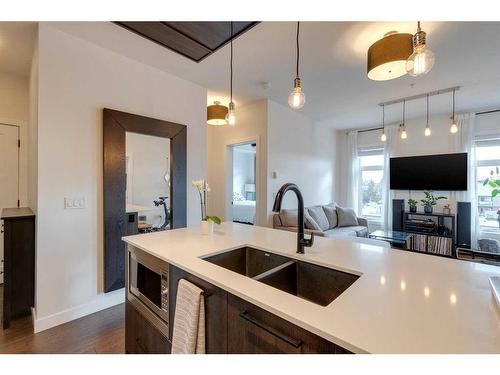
(487, 165)
(371, 173)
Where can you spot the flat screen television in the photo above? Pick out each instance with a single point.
(430, 172)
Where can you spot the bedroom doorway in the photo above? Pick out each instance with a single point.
(244, 174)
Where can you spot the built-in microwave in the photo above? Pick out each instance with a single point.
(148, 287)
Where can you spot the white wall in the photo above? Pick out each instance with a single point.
(32, 143)
(301, 152)
(77, 80)
(251, 126)
(148, 159)
(291, 145)
(14, 111)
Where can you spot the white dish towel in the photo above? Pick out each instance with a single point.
(189, 321)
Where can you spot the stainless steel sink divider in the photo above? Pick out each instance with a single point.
(273, 270)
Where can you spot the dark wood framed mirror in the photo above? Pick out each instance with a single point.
(116, 125)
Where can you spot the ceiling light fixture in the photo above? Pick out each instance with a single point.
(383, 137)
(231, 116)
(402, 126)
(297, 99)
(387, 57)
(427, 131)
(421, 60)
(454, 125)
(216, 114)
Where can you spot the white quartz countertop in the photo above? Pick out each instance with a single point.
(403, 302)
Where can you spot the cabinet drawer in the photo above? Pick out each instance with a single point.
(252, 330)
(141, 337)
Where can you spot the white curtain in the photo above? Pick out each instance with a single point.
(391, 133)
(463, 141)
(352, 185)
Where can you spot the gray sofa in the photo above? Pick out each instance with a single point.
(326, 221)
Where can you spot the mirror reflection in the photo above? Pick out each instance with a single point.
(147, 168)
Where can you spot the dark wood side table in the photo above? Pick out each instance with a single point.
(19, 263)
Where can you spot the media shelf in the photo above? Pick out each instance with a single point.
(433, 233)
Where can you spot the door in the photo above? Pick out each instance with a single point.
(9, 174)
(244, 175)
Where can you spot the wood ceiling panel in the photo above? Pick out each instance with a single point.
(162, 34)
(213, 35)
(194, 40)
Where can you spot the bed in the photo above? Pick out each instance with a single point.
(244, 211)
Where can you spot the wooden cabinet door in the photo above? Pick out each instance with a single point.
(141, 337)
(215, 310)
(252, 330)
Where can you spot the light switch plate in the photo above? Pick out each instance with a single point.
(72, 203)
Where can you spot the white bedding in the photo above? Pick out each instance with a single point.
(244, 211)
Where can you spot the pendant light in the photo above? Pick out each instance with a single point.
(297, 99)
(231, 116)
(387, 57)
(427, 131)
(402, 126)
(383, 137)
(454, 126)
(422, 59)
(216, 114)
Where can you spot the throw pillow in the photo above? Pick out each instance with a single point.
(309, 222)
(331, 214)
(288, 217)
(346, 217)
(319, 217)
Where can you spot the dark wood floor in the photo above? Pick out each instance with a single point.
(102, 332)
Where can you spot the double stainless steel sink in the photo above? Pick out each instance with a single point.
(308, 281)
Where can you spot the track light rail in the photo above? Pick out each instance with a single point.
(420, 96)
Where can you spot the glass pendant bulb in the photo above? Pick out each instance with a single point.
(296, 99)
(231, 116)
(422, 59)
(427, 131)
(383, 137)
(453, 127)
(402, 125)
(420, 62)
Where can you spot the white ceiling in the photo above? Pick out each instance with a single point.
(16, 47)
(333, 66)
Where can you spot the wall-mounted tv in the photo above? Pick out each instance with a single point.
(430, 172)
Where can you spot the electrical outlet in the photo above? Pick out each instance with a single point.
(72, 203)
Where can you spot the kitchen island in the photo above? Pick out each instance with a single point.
(401, 302)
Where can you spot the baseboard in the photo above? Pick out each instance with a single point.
(33, 316)
(101, 302)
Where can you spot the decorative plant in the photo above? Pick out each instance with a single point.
(430, 199)
(494, 182)
(412, 203)
(203, 190)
